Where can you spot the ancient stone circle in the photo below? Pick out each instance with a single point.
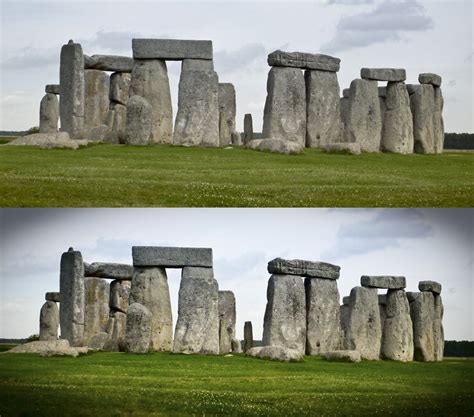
(133, 104)
(118, 307)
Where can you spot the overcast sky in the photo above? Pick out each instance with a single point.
(418, 35)
(434, 244)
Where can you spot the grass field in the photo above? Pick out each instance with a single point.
(119, 176)
(161, 384)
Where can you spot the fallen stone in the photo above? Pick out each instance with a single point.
(197, 65)
(40, 346)
(98, 341)
(385, 282)
(303, 268)
(227, 106)
(49, 114)
(422, 316)
(236, 138)
(138, 330)
(343, 147)
(276, 146)
(114, 63)
(432, 286)
(236, 346)
(96, 107)
(96, 306)
(52, 296)
(248, 128)
(304, 60)
(51, 89)
(119, 87)
(138, 122)
(227, 319)
(383, 74)
(119, 295)
(344, 106)
(248, 336)
(48, 141)
(422, 103)
(343, 356)
(171, 49)
(278, 353)
(49, 321)
(285, 106)
(429, 78)
(109, 270)
(71, 351)
(171, 257)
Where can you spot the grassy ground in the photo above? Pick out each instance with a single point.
(119, 176)
(116, 384)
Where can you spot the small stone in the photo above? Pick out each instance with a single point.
(197, 65)
(171, 49)
(49, 114)
(382, 299)
(236, 138)
(345, 300)
(346, 92)
(236, 346)
(248, 128)
(383, 74)
(138, 122)
(52, 89)
(385, 282)
(227, 317)
(171, 257)
(343, 356)
(303, 268)
(382, 91)
(138, 330)
(49, 321)
(304, 60)
(98, 341)
(119, 87)
(116, 118)
(278, 353)
(53, 296)
(432, 286)
(412, 88)
(48, 141)
(429, 78)
(248, 336)
(276, 146)
(100, 134)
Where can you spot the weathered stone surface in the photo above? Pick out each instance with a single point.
(383, 74)
(438, 122)
(438, 331)
(278, 353)
(119, 295)
(119, 87)
(386, 282)
(197, 65)
(236, 346)
(382, 91)
(412, 88)
(430, 78)
(227, 106)
(383, 110)
(422, 316)
(364, 122)
(227, 319)
(172, 49)
(343, 147)
(52, 296)
(285, 106)
(225, 135)
(138, 122)
(96, 306)
(171, 257)
(304, 60)
(397, 132)
(150, 81)
(108, 63)
(398, 328)
(344, 107)
(276, 145)
(116, 328)
(432, 286)
(423, 107)
(49, 114)
(49, 321)
(100, 133)
(108, 270)
(97, 84)
(197, 120)
(248, 128)
(346, 92)
(343, 356)
(344, 316)
(48, 141)
(51, 89)
(285, 315)
(71, 287)
(197, 328)
(323, 326)
(323, 121)
(303, 268)
(116, 119)
(72, 88)
(48, 348)
(382, 299)
(98, 341)
(150, 289)
(236, 138)
(364, 330)
(138, 330)
(248, 336)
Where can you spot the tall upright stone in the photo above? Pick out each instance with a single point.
(285, 106)
(116, 121)
(119, 295)
(285, 315)
(150, 289)
(438, 331)
(423, 107)
(49, 114)
(227, 317)
(344, 316)
(138, 122)
(71, 287)
(96, 107)
(248, 336)
(119, 87)
(398, 328)
(72, 88)
(225, 135)
(197, 120)
(364, 333)
(49, 321)
(197, 328)
(96, 309)
(227, 106)
(438, 122)
(323, 121)
(344, 108)
(150, 81)
(248, 128)
(138, 330)
(397, 132)
(364, 122)
(422, 316)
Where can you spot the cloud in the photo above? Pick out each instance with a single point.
(230, 61)
(30, 58)
(350, 2)
(386, 22)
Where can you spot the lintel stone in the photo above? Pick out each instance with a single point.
(303, 268)
(108, 270)
(383, 74)
(171, 257)
(171, 49)
(114, 63)
(384, 282)
(429, 78)
(303, 60)
(51, 89)
(431, 286)
(52, 296)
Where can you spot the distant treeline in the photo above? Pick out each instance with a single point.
(461, 348)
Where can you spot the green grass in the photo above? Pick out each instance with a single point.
(6, 139)
(160, 384)
(119, 176)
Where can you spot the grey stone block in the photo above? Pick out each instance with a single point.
(197, 65)
(171, 49)
(383, 74)
(49, 321)
(108, 270)
(138, 329)
(248, 128)
(303, 268)
(96, 306)
(248, 336)
(432, 286)
(429, 78)
(114, 63)
(171, 257)
(49, 114)
(304, 60)
(52, 89)
(386, 282)
(53, 296)
(138, 122)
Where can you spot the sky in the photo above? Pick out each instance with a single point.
(420, 244)
(418, 35)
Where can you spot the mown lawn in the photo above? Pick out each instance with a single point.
(161, 384)
(119, 176)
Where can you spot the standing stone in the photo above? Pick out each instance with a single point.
(304, 60)
(138, 122)
(150, 81)
(72, 88)
(423, 107)
(116, 328)
(49, 321)
(150, 289)
(397, 133)
(344, 108)
(383, 74)
(227, 318)
(236, 346)
(236, 138)
(344, 316)
(119, 295)
(53, 296)
(364, 333)
(197, 328)
(227, 106)
(248, 128)
(383, 110)
(438, 122)
(52, 89)
(119, 87)
(429, 78)
(197, 120)
(383, 316)
(225, 343)
(323, 121)
(116, 119)
(96, 309)
(71, 287)
(225, 135)
(138, 330)
(398, 328)
(323, 325)
(285, 315)
(422, 316)
(438, 331)
(248, 336)
(49, 114)
(364, 122)
(97, 84)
